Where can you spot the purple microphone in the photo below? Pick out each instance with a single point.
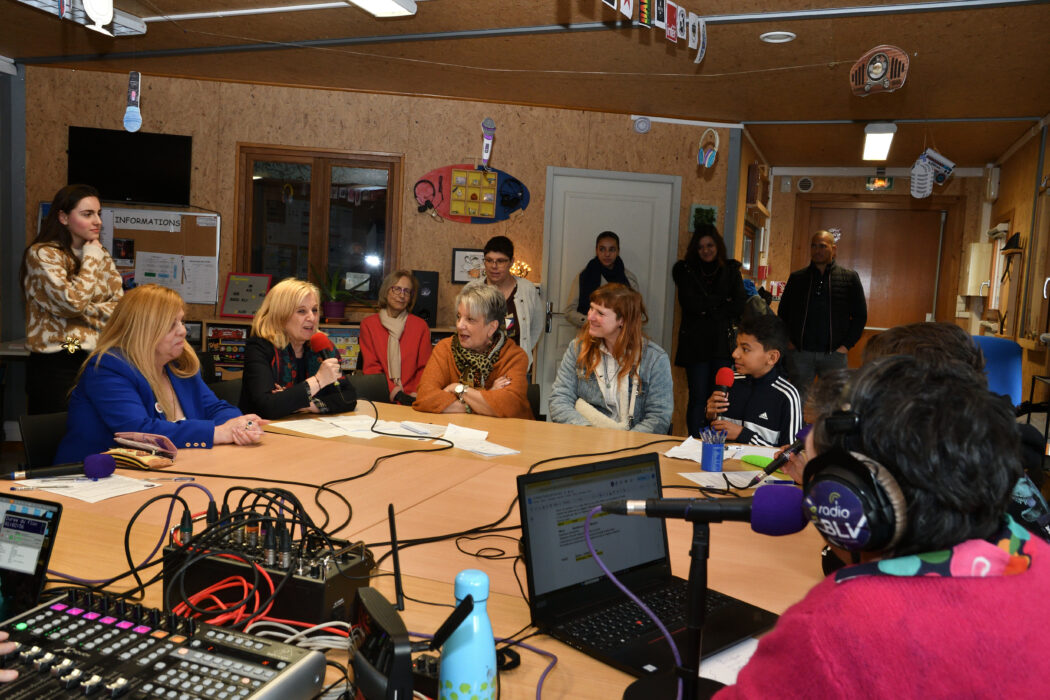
(775, 509)
(93, 467)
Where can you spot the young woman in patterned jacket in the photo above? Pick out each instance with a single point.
(71, 287)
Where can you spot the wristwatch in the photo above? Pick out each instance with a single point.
(460, 390)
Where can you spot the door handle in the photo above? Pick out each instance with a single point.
(549, 320)
(1045, 283)
(986, 283)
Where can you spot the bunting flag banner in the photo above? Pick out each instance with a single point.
(627, 8)
(659, 13)
(683, 23)
(610, 3)
(645, 13)
(703, 42)
(671, 28)
(694, 30)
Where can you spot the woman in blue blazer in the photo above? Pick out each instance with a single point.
(144, 377)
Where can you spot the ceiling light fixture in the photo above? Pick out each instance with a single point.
(877, 139)
(777, 37)
(123, 23)
(387, 8)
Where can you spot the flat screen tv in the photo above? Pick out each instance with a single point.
(131, 167)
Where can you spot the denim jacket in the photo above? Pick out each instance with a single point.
(652, 409)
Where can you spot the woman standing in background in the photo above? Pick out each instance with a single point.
(711, 293)
(71, 287)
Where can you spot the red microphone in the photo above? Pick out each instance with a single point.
(724, 380)
(322, 345)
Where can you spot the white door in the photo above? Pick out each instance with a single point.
(643, 210)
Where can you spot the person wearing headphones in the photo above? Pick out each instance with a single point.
(912, 467)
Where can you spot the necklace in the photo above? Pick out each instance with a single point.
(605, 372)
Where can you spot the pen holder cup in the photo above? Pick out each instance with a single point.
(711, 456)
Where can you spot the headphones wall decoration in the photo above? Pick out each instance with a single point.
(705, 156)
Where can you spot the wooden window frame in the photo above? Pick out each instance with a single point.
(321, 161)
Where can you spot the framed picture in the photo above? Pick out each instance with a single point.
(244, 294)
(468, 264)
(194, 333)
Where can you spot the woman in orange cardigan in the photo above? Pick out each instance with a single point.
(478, 370)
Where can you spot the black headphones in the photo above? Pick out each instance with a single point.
(853, 501)
(511, 192)
(424, 197)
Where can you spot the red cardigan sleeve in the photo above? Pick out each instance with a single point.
(415, 347)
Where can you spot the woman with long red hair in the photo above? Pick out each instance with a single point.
(612, 375)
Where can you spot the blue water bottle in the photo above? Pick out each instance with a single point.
(468, 658)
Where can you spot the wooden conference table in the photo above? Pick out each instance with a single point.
(443, 492)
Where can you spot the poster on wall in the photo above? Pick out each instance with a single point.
(671, 26)
(467, 264)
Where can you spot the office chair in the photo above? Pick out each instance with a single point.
(40, 437)
(372, 387)
(533, 393)
(1002, 364)
(228, 390)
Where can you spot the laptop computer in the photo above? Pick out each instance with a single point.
(573, 601)
(27, 536)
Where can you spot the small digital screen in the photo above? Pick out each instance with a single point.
(27, 533)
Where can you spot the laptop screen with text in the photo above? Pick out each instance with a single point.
(554, 507)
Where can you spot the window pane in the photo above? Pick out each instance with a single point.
(357, 227)
(280, 236)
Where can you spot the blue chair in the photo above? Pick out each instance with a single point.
(1002, 364)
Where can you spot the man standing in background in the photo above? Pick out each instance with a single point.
(606, 266)
(825, 311)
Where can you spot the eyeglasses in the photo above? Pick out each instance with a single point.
(497, 262)
(402, 291)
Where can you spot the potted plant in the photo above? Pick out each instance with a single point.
(333, 297)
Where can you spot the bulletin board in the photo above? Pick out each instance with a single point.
(176, 249)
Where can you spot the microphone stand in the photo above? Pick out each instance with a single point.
(693, 686)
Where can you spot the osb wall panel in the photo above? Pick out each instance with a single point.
(427, 132)
(1016, 197)
(1017, 192)
(748, 157)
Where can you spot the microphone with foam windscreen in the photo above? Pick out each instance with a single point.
(93, 467)
(724, 379)
(775, 509)
(785, 456)
(322, 345)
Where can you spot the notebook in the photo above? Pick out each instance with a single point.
(27, 536)
(573, 601)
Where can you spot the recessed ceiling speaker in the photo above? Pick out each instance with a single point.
(805, 184)
(883, 69)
